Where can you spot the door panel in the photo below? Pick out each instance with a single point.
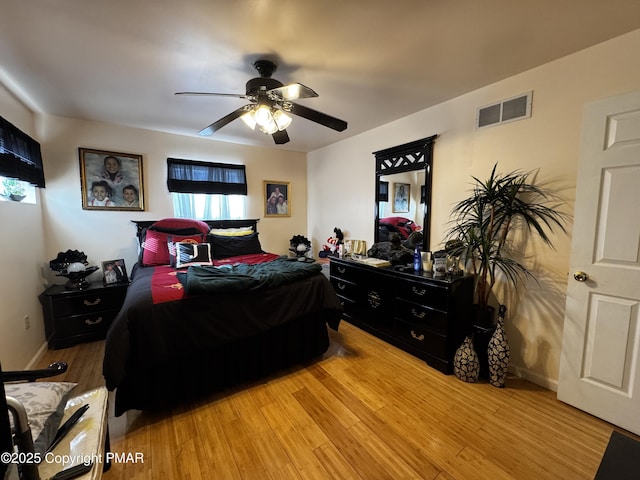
(599, 370)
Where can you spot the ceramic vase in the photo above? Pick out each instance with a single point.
(466, 365)
(499, 352)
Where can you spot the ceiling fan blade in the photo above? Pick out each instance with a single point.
(292, 91)
(315, 116)
(281, 137)
(210, 94)
(218, 124)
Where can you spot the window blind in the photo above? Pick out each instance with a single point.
(20, 155)
(191, 176)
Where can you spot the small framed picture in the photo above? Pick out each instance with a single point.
(401, 192)
(277, 199)
(111, 180)
(114, 272)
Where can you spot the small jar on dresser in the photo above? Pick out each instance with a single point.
(425, 316)
(75, 316)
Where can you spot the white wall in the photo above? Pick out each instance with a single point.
(549, 140)
(104, 234)
(21, 256)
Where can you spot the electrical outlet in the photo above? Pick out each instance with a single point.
(27, 322)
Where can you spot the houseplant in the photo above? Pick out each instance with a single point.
(485, 223)
(13, 189)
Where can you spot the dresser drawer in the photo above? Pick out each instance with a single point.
(91, 301)
(422, 338)
(421, 315)
(344, 288)
(423, 294)
(348, 272)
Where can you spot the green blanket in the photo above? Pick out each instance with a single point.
(199, 280)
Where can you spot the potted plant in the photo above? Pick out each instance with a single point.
(484, 224)
(13, 189)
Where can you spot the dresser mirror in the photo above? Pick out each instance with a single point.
(403, 190)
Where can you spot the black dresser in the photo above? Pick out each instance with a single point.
(427, 317)
(74, 316)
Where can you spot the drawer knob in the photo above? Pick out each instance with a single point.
(89, 303)
(419, 292)
(342, 269)
(342, 286)
(416, 336)
(97, 321)
(419, 315)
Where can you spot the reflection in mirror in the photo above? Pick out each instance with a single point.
(407, 185)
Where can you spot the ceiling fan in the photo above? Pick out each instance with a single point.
(271, 101)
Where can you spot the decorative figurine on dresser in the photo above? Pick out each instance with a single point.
(80, 310)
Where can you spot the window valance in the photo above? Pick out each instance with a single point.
(191, 176)
(20, 155)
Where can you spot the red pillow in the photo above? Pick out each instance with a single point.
(168, 224)
(155, 249)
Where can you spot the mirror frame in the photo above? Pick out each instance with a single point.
(416, 155)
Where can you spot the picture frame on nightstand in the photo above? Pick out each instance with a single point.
(114, 272)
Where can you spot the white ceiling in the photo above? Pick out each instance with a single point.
(371, 62)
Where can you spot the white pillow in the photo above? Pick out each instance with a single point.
(44, 403)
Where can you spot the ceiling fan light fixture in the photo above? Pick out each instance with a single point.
(263, 115)
(282, 119)
(248, 119)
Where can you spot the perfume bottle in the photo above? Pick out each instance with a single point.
(417, 260)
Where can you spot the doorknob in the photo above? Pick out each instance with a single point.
(581, 276)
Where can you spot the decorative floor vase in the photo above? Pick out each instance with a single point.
(499, 352)
(466, 365)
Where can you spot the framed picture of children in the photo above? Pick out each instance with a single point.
(114, 272)
(277, 199)
(111, 180)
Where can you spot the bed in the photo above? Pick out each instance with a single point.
(189, 328)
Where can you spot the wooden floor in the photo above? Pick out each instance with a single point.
(366, 410)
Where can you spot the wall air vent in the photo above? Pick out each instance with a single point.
(509, 110)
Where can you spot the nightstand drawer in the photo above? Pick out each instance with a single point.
(421, 315)
(89, 323)
(92, 301)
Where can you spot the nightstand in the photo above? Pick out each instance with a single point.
(75, 316)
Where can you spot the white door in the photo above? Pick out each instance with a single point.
(600, 362)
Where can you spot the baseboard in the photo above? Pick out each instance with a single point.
(37, 356)
(534, 378)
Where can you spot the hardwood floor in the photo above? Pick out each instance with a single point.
(366, 410)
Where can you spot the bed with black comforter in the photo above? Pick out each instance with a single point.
(184, 333)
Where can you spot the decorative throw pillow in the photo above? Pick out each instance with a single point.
(174, 225)
(232, 246)
(154, 246)
(44, 403)
(188, 254)
(232, 232)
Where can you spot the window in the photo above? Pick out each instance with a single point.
(206, 190)
(20, 156)
(202, 206)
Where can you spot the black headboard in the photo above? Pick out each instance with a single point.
(142, 224)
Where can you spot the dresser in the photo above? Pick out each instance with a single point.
(75, 316)
(425, 316)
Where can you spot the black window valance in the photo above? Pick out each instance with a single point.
(191, 176)
(20, 155)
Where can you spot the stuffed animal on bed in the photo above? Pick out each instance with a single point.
(332, 244)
